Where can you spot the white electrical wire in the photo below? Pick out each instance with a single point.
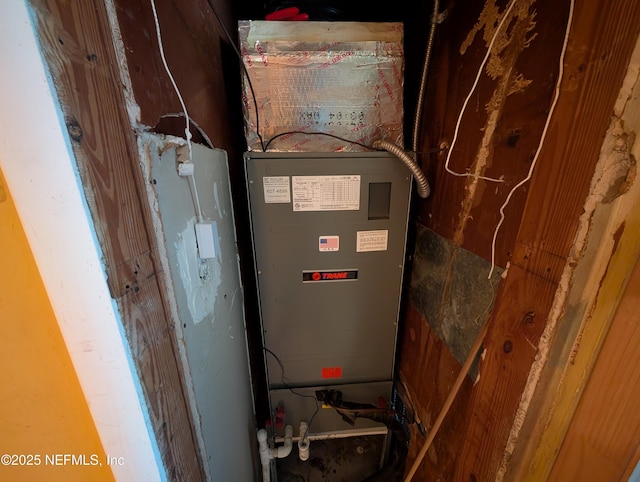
(542, 137)
(187, 130)
(483, 332)
(466, 101)
(195, 191)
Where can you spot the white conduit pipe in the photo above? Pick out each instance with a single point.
(265, 459)
(421, 180)
(267, 453)
(303, 443)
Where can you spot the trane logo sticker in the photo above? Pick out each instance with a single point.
(333, 275)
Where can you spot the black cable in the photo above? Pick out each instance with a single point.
(255, 102)
(201, 131)
(264, 146)
(317, 134)
(429, 151)
(288, 387)
(302, 436)
(283, 378)
(244, 68)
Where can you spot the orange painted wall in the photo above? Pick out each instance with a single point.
(42, 408)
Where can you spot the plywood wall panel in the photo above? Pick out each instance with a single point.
(543, 217)
(502, 123)
(200, 60)
(429, 370)
(518, 320)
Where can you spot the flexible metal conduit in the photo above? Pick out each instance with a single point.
(425, 71)
(421, 180)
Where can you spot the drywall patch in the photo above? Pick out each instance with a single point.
(619, 167)
(205, 301)
(430, 269)
(449, 288)
(613, 176)
(200, 278)
(149, 148)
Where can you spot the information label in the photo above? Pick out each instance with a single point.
(372, 240)
(276, 189)
(326, 193)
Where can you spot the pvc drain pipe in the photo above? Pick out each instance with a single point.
(303, 443)
(267, 453)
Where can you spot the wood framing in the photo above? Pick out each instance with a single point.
(612, 221)
(207, 70)
(602, 440)
(542, 241)
(77, 45)
(544, 218)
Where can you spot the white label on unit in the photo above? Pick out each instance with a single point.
(326, 193)
(329, 243)
(372, 240)
(276, 189)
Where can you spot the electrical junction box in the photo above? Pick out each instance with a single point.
(329, 236)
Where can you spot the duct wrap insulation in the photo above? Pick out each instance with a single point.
(342, 78)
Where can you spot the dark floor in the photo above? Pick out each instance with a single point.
(338, 460)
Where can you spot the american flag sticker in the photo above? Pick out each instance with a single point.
(329, 243)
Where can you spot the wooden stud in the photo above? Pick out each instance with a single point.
(543, 219)
(77, 45)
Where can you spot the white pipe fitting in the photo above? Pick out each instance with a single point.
(284, 450)
(267, 453)
(303, 442)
